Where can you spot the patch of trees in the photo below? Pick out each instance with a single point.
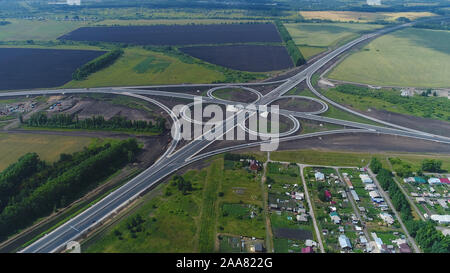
(183, 185)
(402, 169)
(292, 48)
(96, 65)
(427, 107)
(399, 200)
(237, 157)
(43, 188)
(96, 122)
(375, 165)
(4, 23)
(432, 165)
(441, 25)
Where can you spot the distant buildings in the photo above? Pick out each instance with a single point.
(374, 2)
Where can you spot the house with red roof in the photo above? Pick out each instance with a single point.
(327, 195)
(444, 180)
(308, 249)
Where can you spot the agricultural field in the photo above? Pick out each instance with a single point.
(409, 57)
(362, 17)
(253, 58)
(48, 147)
(24, 30)
(138, 66)
(24, 68)
(178, 34)
(326, 34)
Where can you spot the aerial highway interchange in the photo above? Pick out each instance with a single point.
(173, 160)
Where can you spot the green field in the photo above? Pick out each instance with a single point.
(169, 223)
(390, 100)
(326, 34)
(48, 147)
(409, 57)
(138, 66)
(23, 30)
(337, 158)
(311, 51)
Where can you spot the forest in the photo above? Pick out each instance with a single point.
(32, 188)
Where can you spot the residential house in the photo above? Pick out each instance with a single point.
(344, 242)
(355, 195)
(319, 176)
(434, 180)
(365, 178)
(387, 218)
(307, 249)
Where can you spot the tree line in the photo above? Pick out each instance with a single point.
(95, 122)
(41, 188)
(292, 48)
(97, 64)
(425, 233)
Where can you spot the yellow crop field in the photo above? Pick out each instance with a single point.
(48, 147)
(361, 17)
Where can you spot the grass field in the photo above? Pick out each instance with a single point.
(48, 147)
(174, 222)
(138, 66)
(209, 206)
(310, 51)
(169, 223)
(430, 107)
(326, 34)
(343, 158)
(409, 57)
(361, 17)
(23, 30)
